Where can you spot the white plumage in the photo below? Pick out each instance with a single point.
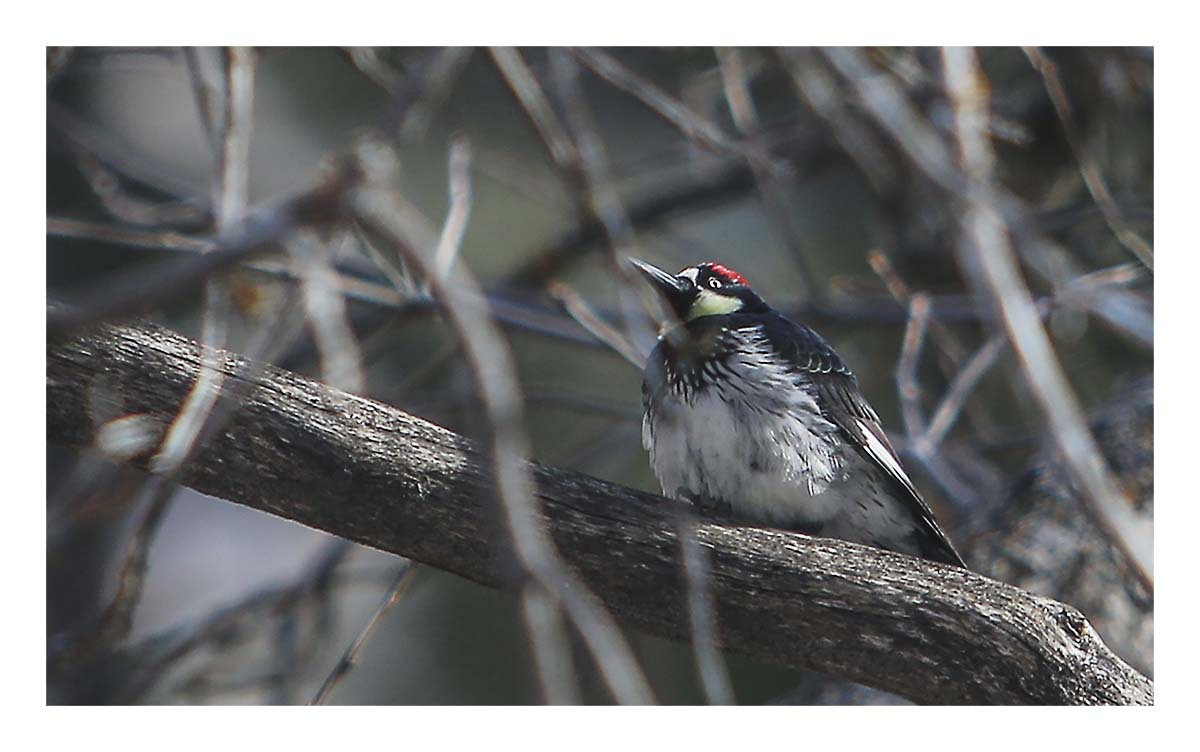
(760, 418)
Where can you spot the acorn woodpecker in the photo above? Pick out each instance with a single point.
(755, 415)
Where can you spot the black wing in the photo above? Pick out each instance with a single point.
(844, 405)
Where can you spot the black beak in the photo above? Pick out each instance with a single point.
(678, 292)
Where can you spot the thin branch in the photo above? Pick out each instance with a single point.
(818, 90)
(437, 76)
(395, 592)
(207, 96)
(375, 207)
(907, 383)
(668, 107)
(455, 226)
(575, 305)
(142, 288)
(529, 93)
(117, 618)
(1088, 167)
(337, 346)
(181, 437)
(702, 613)
(735, 85)
(551, 647)
(371, 64)
(160, 652)
(987, 256)
(960, 388)
(231, 188)
(602, 196)
(119, 161)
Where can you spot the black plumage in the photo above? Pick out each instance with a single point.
(705, 356)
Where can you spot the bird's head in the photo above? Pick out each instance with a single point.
(708, 289)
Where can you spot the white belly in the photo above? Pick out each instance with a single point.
(762, 449)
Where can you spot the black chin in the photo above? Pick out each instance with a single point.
(678, 292)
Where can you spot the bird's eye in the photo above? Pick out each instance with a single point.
(714, 282)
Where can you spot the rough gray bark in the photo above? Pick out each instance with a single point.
(1043, 541)
(375, 475)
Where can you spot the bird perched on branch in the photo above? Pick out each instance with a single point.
(756, 415)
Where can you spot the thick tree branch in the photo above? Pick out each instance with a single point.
(381, 477)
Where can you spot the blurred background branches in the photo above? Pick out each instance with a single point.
(867, 192)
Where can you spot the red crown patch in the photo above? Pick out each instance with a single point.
(727, 274)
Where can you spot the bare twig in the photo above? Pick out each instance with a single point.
(771, 187)
(169, 240)
(898, 289)
(450, 240)
(231, 189)
(551, 647)
(669, 108)
(702, 613)
(145, 286)
(107, 186)
(531, 96)
(602, 196)
(907, 383)
(117, 617)
(182, 436)
(578, 308)
(348, 660)
(817, 89)
(491, 365)
(960, 388)
(337, 346)
(438, 77)
(987, 257)
(183, 640)
(736, 86)
(372, 65)
(209, 98)
(1088, 167)
(105, 161)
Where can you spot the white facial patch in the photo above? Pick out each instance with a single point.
(690, 273)
(709, 303)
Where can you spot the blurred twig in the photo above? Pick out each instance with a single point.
(960, 388)
(491, 366)
(578, 308)
(103, 157)
(159, 653)
(669, 108)
(402, 580)
(178, 444)
(987, 257)
(450, 240)
(819, 92)
(529, 92)
(1088, 168)
(337, 346)
(907, 383)
(144, 287)
(702, 613)
(601, 194)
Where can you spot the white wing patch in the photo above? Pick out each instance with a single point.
(881, 454)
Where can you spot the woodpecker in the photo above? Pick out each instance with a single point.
(750, 413)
